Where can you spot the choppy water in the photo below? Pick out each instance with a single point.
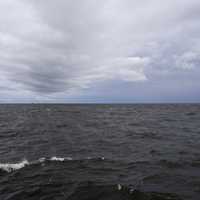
(99, 152)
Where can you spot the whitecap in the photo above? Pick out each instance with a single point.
(8, 167)
(119, 187)
(57, 159)
(41, 160)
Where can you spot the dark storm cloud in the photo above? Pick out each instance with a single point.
(63, 48)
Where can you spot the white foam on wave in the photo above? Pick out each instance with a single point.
(8, 167)
(57, 159)
(41, 160)
(119, 187)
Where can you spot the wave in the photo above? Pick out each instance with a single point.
(10, 167)
(76, 189)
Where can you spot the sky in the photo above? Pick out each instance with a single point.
(91, 51)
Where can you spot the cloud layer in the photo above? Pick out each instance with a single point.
(64, 49)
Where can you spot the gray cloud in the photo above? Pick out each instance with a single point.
(62, 48)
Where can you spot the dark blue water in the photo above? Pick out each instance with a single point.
(100, 151)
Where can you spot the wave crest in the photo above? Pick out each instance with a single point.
(8, 167)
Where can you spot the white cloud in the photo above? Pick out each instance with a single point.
(187, 60)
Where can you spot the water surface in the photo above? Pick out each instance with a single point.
(54, 151)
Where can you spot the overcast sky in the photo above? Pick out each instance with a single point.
(99, 51)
